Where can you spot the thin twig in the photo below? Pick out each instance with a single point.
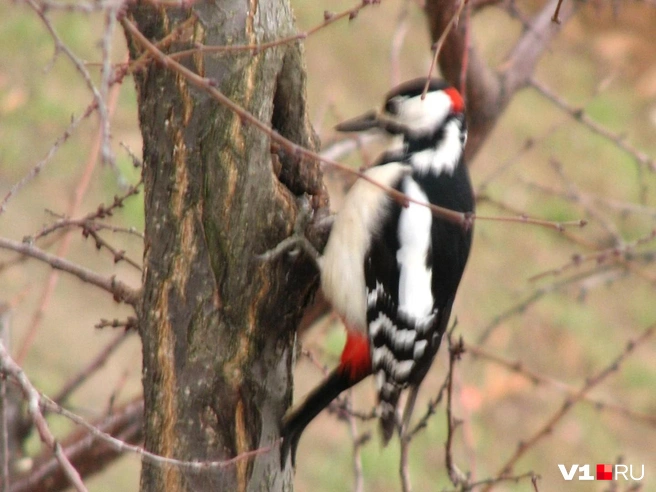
(608, 255)
(578, 114)
(120, 291)
(440, 43)
(329, 18)
(493, 481)
(463, 219)
(358, 442)
(117, 78)
(61, 47)
(537, 378)
(556, 16)
(5, 312)
(84, 450)
(106, 72)
(95, 364)
(528, 145)
(571, 402)
(462, 86)
(574, 192)
(455, 353)
(101, 212)
(404, 465)
(147, 456)
(430, 410)
(505, 207)
(535, 296)
(80, 192)
(38, 167)
(9, 367)
(620, 206)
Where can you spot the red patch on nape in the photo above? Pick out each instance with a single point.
(356, 358)
(457, 103)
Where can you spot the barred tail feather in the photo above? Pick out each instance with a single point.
(388, 399)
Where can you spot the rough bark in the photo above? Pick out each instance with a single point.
(217, 324)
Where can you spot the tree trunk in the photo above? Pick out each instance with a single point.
(217, 324)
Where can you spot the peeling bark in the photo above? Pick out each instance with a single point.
(217, 325)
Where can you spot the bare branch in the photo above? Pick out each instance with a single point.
(488, 93)
(111, 11)
(358, 442)
(119, 255)
(518, 69)
(5, 312)
(609, 255)
(122, 447)
(61, 47)
(537, 378)
(570, 402)
(88, 220)
(430, 410)
(535, 296)
(34, 171)
(329, 18)
(80, 191)
(88, 454)
(496, 480)
(579, 115)
(556, 15)
(404, 466)
(463, 219)
(90, 368)
(455, 353)
(9, 367)
(120, 291)
(440, 43)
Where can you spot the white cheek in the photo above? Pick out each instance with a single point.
(424, 116)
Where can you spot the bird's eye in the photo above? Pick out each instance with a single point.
(392, 106)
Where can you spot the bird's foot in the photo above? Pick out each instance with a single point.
(297, 242)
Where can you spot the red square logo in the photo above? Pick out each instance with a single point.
(604, 472)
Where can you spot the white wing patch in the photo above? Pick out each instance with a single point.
(349, 240)
(415, 295)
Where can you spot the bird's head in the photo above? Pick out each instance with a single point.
(406, 113)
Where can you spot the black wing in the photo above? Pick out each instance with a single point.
(403, 348)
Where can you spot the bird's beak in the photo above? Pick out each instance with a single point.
(361, 123)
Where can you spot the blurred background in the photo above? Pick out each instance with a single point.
(541, 312)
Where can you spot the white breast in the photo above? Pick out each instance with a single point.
(342, 265)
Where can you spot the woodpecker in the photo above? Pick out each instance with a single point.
(391, 271)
